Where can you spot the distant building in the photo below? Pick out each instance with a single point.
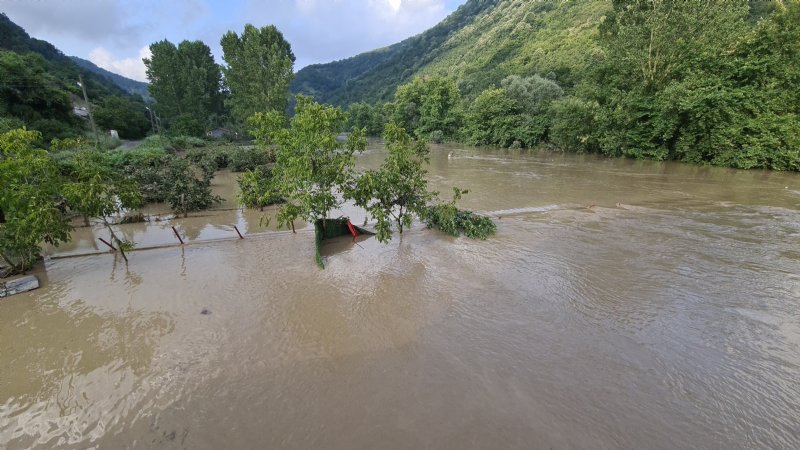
(218, 133)
(80, 111)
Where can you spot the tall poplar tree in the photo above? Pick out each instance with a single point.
(259, 68)
(185, 82)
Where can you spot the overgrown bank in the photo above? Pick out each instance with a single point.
(708, 82)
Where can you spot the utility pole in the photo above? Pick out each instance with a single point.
(158, 123)
(89, 109)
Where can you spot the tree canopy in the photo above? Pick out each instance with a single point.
(30, 186)
(396, 192)
(259, 68)
(427, 105)
(312, 166)
(185, 82)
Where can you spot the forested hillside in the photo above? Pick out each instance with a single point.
(39, 84)
(701, 81)
(479, 44)
(374, 76)
(14, 38)
(128, 85)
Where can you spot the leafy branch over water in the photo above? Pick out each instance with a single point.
(446, 217)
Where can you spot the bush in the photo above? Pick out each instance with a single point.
(185, 191)
(219, 157)
(187, 142)
(146, 166)
(241, 159)
(257, 189)
(157, 142)
(453, 221)
(574, 124)
(196, 155)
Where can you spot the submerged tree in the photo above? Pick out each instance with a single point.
(96, 190)
(259, 70)
(396, 192)
(30, 186)
(311, 164)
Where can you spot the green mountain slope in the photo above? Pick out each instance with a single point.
(128, 85)
(39, 90)
(479, 44)
(13, 38)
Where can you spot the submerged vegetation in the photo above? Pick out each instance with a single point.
(396, 192)
(447, 218)
(709, 82)
(41, 192)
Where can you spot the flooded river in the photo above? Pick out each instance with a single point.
(621, 304)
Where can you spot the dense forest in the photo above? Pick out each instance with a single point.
(696, 81)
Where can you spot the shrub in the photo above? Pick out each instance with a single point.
(187, 142)
(453, 221)
(242, 158)
(574, 124)
(257, 189)
(157, 142)
(185, 191)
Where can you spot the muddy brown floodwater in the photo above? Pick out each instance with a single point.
(621, 304)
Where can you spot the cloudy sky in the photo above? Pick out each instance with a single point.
(115, 34)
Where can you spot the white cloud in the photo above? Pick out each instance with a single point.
(113, 31)
(128, 67)
(306, 6)
(326, 30)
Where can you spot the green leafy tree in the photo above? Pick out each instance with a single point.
(256, 188)
(695, 81)
(574, 124)
(30, 200)
(429, 104)
(312, 165)
(369, 117)
(532, 94)
(96, 190)
(259, 68)
(492, 119)
(129, 118)
(396, 192)
(185, 82)
(650, 45)
(514, 115)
